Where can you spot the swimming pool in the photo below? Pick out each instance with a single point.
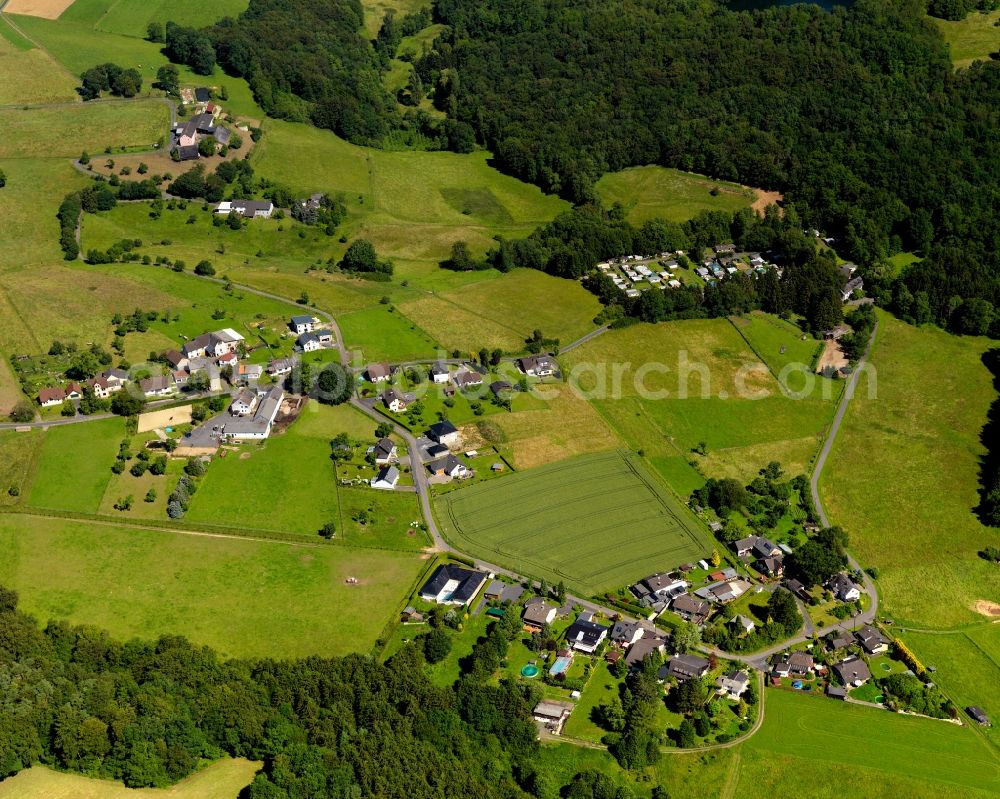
(529, 670)
(560, 665)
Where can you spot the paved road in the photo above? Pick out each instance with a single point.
(584, 339)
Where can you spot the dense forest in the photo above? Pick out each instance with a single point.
(856, 114)
(148, 713)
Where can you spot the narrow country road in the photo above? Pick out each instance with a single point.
(584, 339)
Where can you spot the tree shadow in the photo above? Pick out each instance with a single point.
(988, 509)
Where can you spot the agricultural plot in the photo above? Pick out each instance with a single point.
(242, 597)
(68, 130)
(224, 779)
(594, 522)
(648, 192)
(810, 730)
(666, 388)
(29, 75)
(972, 38)
(902, 478)
(74, 466)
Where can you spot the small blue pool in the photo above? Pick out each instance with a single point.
(797, 685)
(560, 665)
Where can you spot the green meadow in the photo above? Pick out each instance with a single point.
(243, 597)
(972, 38)
(384, 334)
(74, 466)
(902, 478)
(648, 192)
(28, 74)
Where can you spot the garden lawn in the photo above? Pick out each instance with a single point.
(972, 38)
(815, 729)
(601, 689)
(596, 522)
(66, 131)
(242, 597)
(650, 192)
(74, 466)
(224, 779)
(504, 312)
(668, 387)
(902, 478)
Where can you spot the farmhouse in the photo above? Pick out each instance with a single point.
(686, 667)
(48, 397)
(440, 373)
(212, 345)
(733, 684)
(538, 613)
(301, 324)
(258, 426)
(244, 403)
(643, 648)
(852, 672)
(386, 478)
(585, 634)
(378, 372)
(250, 209)
(280, 366)
(308, 342)
(872, 640)
(157, 386)
(691, 609)
(552, 714)
(393, 399)
(444, 432)
(384, 451)
(452, 585)
(537, 365)
(844, 588)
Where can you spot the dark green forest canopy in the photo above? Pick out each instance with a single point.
(856, 113)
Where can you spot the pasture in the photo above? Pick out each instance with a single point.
(381, 333)
(781, 345)
(130, 17)
(649, 192)
(245, 598)
(668, 387)
(811, 730)
(972, 38)
(902, 478)
(18, 453)
(595, 522)
(503, 312)
(74, 465)
(223, 779)
(66, 131)
(29, 75)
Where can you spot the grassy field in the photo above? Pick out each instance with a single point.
(817, 730)
(968, 667)
(66, 131)
(655, 191)
(242, 597)
(974, 37)
(223, 779)
(503, 312)
(382, 334)
(18, 454)
(74, 465)
(781, 345)
(375, 11)
(130, 17)
(29, 75)
(903, 475)
(595, 522)
(703, 384)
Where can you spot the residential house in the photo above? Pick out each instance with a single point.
(452, 585)
(840, 640)
(157, 386)
(872, 640)
(733, 685)
(552, 714)
(248, 374)
(625, 633)
(386, 478)
(643, 648)
(501, 388)
(102, 388)
(537, 365)
(308, 342)
(771, 567)
(175, 359)
(440, 373)
(212, 345)
(723, 592)
(301, 324)
(722, 249)
(181, 378)
(393, 399)
(250, 209)
(660, 586)
(691, 609)
(585, 634)
(244, 403)
(74, 391)
(378, 372)
(229, 359)
(280, 366)
(538, 613)
(324, 335)
(49, 397)
(852, 285)
(467, 378)
(258, 426)
(794, 664)
(756, 547)
(444, 432)
(686, 667)
(844, 588)
(798, 590)
(448, 466)
(742, 624)
(852, 672)
(385, 451)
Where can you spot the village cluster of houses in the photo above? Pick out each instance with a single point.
(435, 453)
(204, 124)
(661, 591)
(104, 385)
